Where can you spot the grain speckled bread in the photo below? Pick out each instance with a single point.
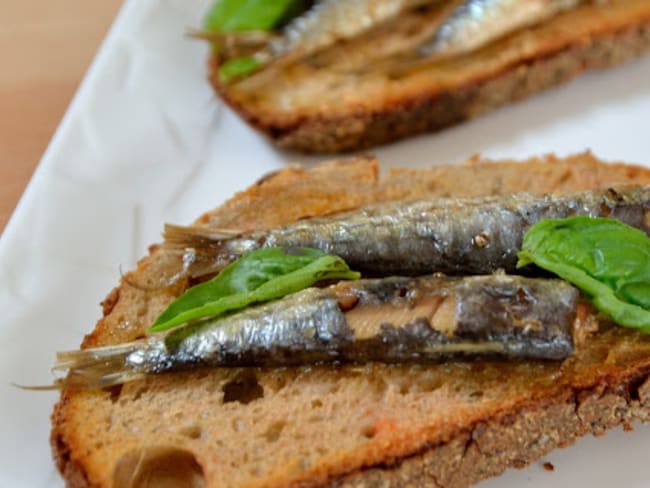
(446, 425)
(318, 106)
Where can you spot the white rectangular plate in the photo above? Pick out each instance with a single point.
(145, 142)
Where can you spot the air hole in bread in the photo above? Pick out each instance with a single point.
(634, 388)
(429, 383)
(277, 383)
(115, 392)
(243, 388)
(316, 403)
(158, 467)
(369, 431)
(192, 431)
(476, 395)
(272, 434)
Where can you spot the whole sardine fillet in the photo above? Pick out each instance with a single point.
(329, 21)
(476, 22)
(452, 236)
(388, 320)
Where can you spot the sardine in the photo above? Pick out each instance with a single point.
(460, 26)
(389, 320)
(329, 21)
(474, 23)
(452, 236)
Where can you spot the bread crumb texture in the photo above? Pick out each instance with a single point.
(336, 103)
(446, 425)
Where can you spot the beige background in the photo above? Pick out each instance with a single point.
(45, 48)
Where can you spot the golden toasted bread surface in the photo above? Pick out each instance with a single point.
(446, 425)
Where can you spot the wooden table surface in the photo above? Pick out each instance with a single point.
(45, 48)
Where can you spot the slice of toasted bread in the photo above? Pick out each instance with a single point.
(329, 105)
(446, 425)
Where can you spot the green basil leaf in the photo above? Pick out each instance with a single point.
(262, 275)
(237, 68)
(249, 15)
(606, 259)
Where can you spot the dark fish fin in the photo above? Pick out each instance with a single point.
(96, 367)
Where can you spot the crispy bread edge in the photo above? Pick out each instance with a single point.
(516, 439)
(513, 440)
(487, 449)
(73, 473)
(431, 112)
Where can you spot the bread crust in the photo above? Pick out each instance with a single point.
(430, 110)
(602, 386)
(515, 439)
(72, 472)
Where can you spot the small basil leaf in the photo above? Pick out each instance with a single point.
(238, 68)
(262, 275)
(606, 259)
(249, 15)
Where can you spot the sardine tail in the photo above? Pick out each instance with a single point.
(97, 367)
(205, 250)
(197, 237)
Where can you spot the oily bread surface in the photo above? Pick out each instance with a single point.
(333, 104)
(375, 425)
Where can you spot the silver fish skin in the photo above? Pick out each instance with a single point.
(452, 236)
(474, 23)
(329, 21)
(389, 320)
